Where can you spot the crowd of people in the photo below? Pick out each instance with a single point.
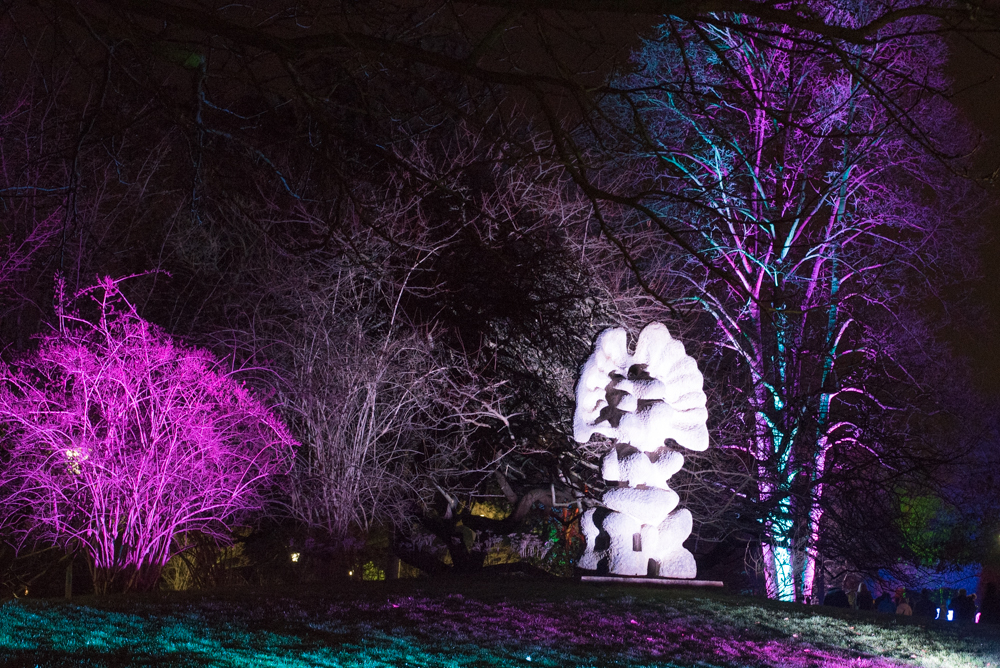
(960, 607)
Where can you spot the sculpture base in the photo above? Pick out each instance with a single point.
(661, 582)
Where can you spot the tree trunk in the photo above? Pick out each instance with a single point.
(69, 582)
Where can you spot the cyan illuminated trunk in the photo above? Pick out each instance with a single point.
(798, 191)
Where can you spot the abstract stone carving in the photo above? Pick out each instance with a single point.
(641, 400)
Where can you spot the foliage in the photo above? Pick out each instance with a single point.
(120, 441)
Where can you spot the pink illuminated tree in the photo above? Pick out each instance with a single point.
(815, 214)
(119, 440)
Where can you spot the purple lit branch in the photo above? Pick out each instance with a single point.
(121, 439)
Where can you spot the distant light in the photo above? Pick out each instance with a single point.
(937, 615)
(528, 658)
(350, 572)
(295, 556)
(977, 617)
(75, 457)
(951, 614)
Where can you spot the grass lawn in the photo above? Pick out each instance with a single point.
(507, 621)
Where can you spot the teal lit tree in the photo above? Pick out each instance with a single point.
(811, 199)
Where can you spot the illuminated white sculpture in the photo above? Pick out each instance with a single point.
(641, 401)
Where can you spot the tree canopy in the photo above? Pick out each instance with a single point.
(411, 220)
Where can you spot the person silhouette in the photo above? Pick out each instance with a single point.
(924, 607)
(864, 600)
(990, 608)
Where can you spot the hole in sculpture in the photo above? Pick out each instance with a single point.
(625, 450)
(603, 566)
(642, 405)
(638, 372)
(637, 542)
(603, 540)
(655, 456)
(611, 414)
(653, 568)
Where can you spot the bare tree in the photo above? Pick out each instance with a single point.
(83, 192)
(387, 416)
(800, 196)
(279, 125)
(120, 441)
(428, 353)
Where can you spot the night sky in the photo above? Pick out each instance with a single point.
(976, 71)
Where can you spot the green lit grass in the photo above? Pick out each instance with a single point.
(469, 623)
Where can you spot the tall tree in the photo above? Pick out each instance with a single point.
(813, 220)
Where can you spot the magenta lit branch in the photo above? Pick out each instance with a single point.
(122, 441)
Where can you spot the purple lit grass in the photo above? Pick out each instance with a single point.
(506, 622)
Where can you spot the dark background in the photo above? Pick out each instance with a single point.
(975, 67)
